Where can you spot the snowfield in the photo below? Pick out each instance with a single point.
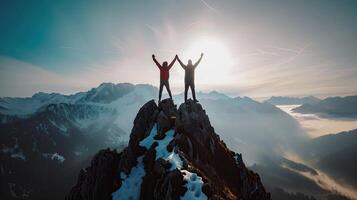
(131, 184)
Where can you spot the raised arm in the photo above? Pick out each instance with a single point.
(182, 65)
(157, 63)
(172, 62)
(199, 60)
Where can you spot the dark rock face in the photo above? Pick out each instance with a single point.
(194, 141)
(96, 181)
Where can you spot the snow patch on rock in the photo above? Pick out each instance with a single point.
(194, 186)
(131, 184)
(61, 127)
(15, 151)
(54, 156)
(19, 155)
(194, 182)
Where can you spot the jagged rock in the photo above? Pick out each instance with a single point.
(166, 117)
(172, 154)
(98, 180)
(143, 121)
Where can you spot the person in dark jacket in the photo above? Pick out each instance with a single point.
(164, 75)
(190, 76)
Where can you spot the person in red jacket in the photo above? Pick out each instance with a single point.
(164, 75)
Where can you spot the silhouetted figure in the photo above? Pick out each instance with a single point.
(190, 76)
(164, 75)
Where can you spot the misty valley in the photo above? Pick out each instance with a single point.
(316, 126)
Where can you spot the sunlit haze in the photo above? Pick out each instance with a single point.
(217, 63)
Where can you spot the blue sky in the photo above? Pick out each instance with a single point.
(271, 47)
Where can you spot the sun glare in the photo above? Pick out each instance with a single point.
(216, 64)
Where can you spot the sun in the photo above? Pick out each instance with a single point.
(216, 65)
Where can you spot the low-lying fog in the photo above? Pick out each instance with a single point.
(316, 126)
(322, 179)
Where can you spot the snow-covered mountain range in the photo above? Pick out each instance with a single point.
(57, 132)
(122, 98)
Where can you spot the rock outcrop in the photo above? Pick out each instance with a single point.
(172, 154)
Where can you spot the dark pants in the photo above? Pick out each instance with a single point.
(191, 84)
(166, 84)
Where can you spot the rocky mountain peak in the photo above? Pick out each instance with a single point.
(172, 154)
(108, 92)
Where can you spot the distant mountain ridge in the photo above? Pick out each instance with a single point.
(214, 95)
(283, 100)
(332, 106)
(335, 154)
(105, 93)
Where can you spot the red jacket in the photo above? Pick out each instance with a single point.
(164, 71)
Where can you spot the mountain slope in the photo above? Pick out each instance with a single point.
(279, 100)
(49, 146)
(261, 126)
(332, 106)
(172, 154)
(335, 154)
